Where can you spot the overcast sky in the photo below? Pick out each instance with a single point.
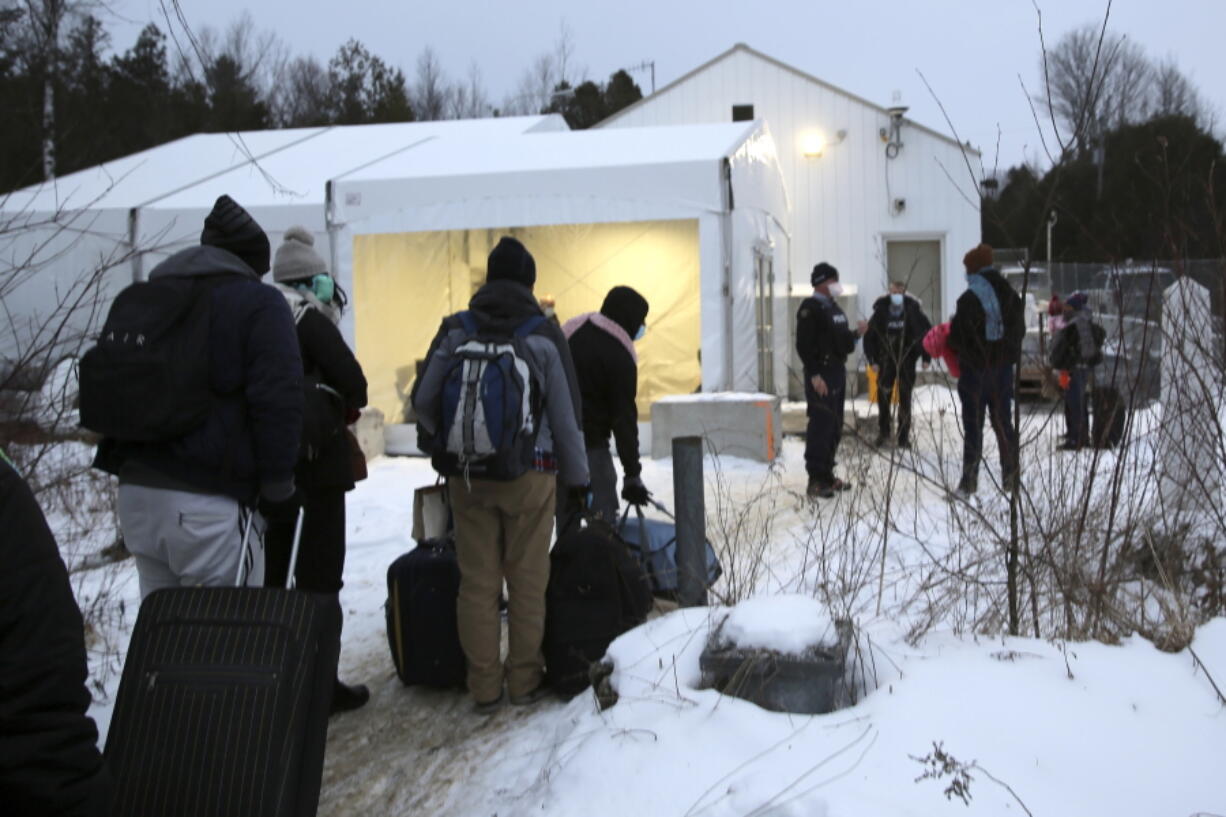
(971, 51)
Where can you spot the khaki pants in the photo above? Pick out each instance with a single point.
(502, 531)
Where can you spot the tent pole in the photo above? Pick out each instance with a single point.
(138, 258)
(330, 227)
(726, 245)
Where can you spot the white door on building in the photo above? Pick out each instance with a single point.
(918, 265)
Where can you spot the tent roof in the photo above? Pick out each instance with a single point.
(569, 150)
(257, 168)
(618, 174)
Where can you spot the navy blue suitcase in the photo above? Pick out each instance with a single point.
(223, 705)
(422, 632)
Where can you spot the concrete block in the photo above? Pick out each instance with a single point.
(735, 424)
(369, 431)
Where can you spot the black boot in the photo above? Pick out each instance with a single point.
(346, 698)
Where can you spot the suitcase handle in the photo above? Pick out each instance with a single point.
(245, 551)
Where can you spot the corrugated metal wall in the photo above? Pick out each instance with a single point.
(842, 207)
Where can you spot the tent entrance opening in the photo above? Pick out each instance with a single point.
(406, 283)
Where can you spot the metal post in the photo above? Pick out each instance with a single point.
(691, 522)
(1051, 222)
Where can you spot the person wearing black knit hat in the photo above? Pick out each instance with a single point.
(602, 345)
(243, 451)
(504, 519)
(232, 228)
(824, 340)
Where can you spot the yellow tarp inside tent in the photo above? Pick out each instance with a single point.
(405, 283)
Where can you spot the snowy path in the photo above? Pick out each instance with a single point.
(1075, 729)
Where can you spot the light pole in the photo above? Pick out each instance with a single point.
(1051, 222)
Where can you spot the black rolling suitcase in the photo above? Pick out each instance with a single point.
(597, 591)
(223, 705)
(422, 586)
(1109, 415)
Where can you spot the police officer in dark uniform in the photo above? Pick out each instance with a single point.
(895, 341)
(824, 340)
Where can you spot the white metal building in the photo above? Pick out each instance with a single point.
(879, 196)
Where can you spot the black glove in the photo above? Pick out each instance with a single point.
(578, 498)
(634, 491)
(280, 511)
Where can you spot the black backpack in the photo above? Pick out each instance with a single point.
(147, 378)
(597, 591)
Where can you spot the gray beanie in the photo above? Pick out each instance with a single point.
(296, 258)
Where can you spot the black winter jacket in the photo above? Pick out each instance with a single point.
(326, 356)
(608, 381)
(967, 330)
(823, 336)
(1066, 348)
(896, 339)
(49, 759)
(249, 442)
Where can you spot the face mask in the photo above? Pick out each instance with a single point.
(321, 286)
(835, 289)
(896, 298)
(642, 331)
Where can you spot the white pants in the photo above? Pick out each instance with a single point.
(184, 539)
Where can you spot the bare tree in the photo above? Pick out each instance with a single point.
(1096, 81)
(1174, 93)
(468, 99)
(47, 23)
(431, 90)
(563, 56)
(535, 89)
(304, 96)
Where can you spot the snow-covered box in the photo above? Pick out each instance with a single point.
(734, 424)
(783, 653)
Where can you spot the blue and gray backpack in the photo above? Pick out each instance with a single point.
(492, 402)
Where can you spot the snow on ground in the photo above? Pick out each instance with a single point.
(1073, 728)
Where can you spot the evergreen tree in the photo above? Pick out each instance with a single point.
(365, 89)
(81, 114)
(140, 92)
(621, 92)
(1158, 199)
(234, 102)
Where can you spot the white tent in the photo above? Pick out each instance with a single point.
(695, 217)
(112, 223)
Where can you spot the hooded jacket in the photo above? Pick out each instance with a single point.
(967, 330)
(502, 305)
(249, 442)
(49, 759)
(326, 357)
(896, 339)
(608, 372)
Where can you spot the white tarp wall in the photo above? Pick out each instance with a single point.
(97, 229)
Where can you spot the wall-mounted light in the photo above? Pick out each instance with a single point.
(892, 136)
(814, 143)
